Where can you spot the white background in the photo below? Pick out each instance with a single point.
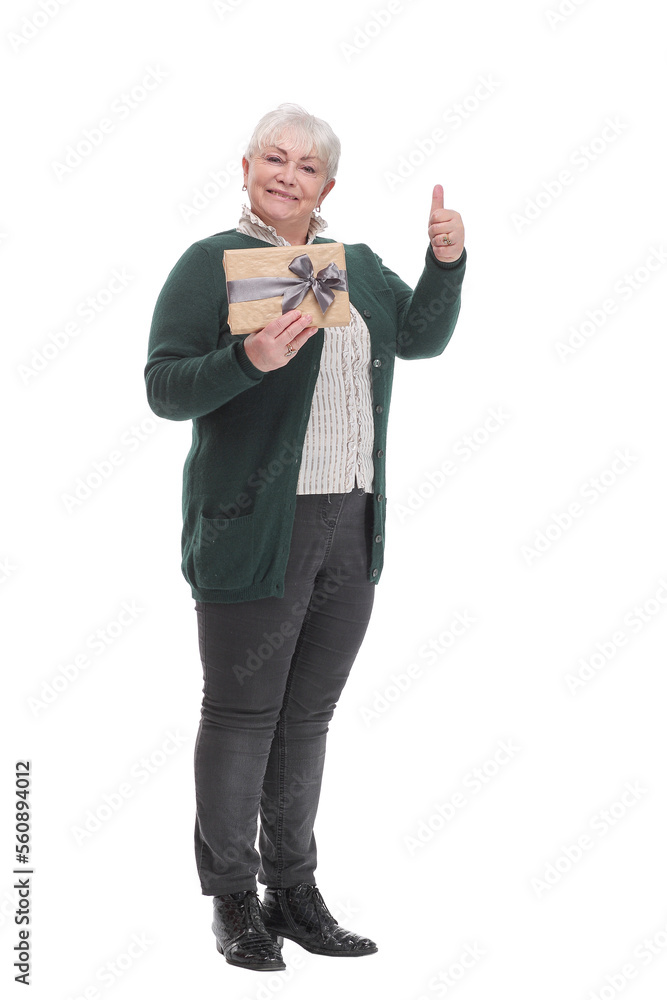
(493, 879)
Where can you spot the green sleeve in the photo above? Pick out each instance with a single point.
(427, 316)
(187, 374)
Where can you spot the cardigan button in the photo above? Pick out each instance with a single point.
(380, 498)
(376, 363)
(379, 452)
(367, 313)
(378, 408)
(375, 572)
(378, 538)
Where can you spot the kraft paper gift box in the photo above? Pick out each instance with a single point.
(265, 282)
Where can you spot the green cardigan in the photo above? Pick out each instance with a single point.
(248, 426)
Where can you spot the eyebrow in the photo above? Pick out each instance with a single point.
(285, 152)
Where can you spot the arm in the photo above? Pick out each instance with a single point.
(187, 375)
(427, 316)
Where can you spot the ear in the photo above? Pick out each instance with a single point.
(246, 167)
(325, 190)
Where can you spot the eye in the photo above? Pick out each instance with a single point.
(310, 170)
(272, 158)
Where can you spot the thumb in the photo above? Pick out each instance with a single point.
(438, 198)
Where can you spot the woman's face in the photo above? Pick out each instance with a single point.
(285, 185)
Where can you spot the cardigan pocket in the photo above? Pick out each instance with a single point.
(223, 555)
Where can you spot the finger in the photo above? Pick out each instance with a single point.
(446, 229)
(292, 346)
(444, 248)
(438, 199)
(295, 328)
(303, 335)
(300, 339)
(437, 229)
(445, 251)
(444, 216)
(281, 323)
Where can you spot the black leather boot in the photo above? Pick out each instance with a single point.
(300, 914)
(240, 932)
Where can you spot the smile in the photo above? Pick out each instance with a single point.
(283, 195)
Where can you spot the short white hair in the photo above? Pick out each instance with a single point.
(303, 129)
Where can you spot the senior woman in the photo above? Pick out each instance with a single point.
(284, 525)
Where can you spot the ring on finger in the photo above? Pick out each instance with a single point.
(290, 350)
(446, 242)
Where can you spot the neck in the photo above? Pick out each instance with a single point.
(294, 237)
(295, 234)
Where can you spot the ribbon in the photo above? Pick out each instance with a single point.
(293, 290)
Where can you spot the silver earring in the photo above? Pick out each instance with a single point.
(317, 209)
(244, 188)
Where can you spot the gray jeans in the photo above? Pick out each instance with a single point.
(273, 672)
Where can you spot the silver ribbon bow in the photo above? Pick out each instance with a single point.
(293, 290)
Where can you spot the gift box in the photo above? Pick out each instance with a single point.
(264, 282)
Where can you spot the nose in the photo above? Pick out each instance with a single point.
(286, 172)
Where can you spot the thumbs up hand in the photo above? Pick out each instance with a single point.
(445, 228)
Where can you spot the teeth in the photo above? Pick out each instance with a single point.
(287, 197)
